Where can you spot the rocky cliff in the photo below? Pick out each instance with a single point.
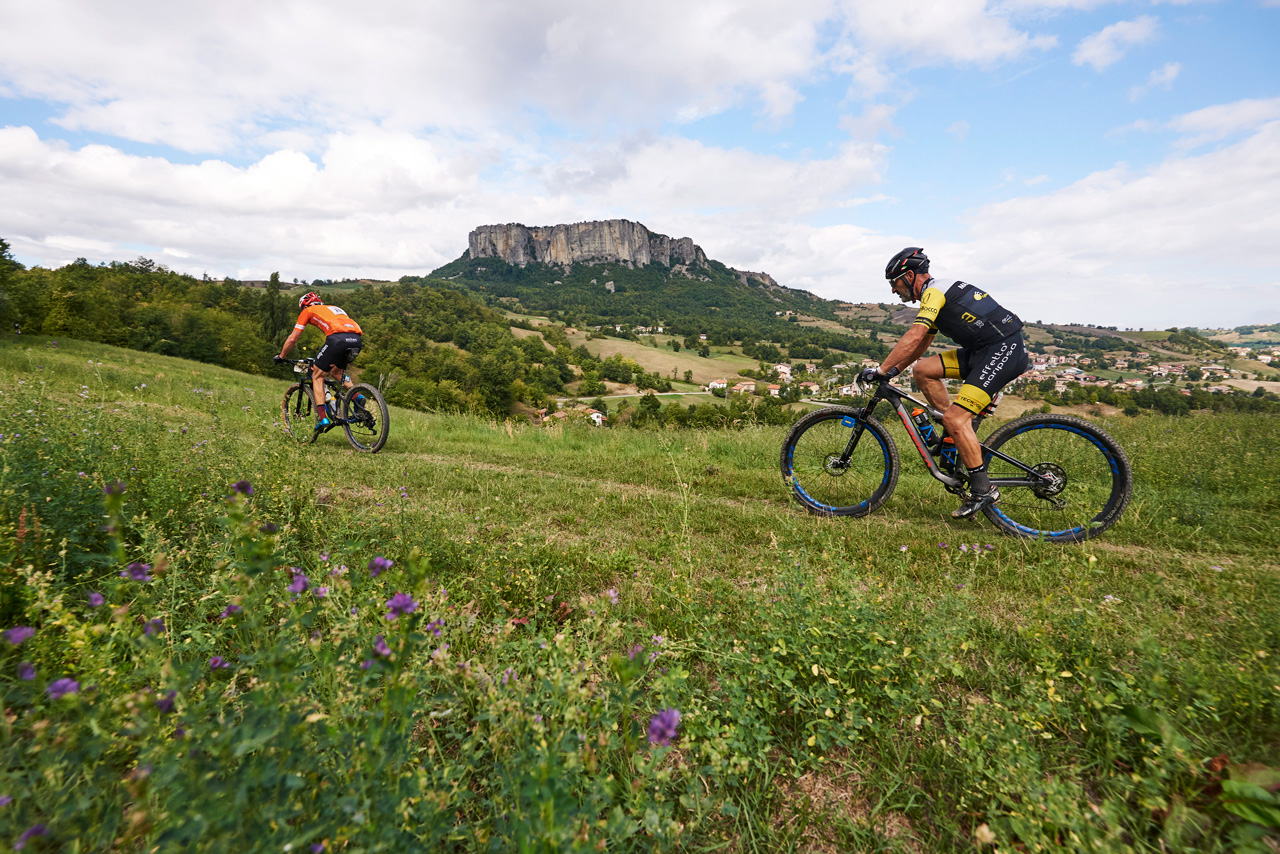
(613, 241)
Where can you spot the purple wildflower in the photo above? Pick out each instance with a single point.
(300, 583)
(116, 488)
(154, 626)
(658, 640)
(366, 664)
(964, 547)
(321, 592)
(33, 830)
(942, 545)
(96, 599)
(379, 565)
(243, 487)
(18, 634)
(218, 663)
(435, 626)
(399, 605)
(137, 572)
(662, 727)
(165, 703)
(324, 557)
(635, 650)
(340, 570)
(902, 548)
(5, 800)
(506, 675)
(380, 647)
(317, 847)
(537, 719)
(268, 528)
(26, 671)
(62, 687)
(613, 595)
(231, 610)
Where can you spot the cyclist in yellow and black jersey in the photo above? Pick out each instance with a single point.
(991, 354)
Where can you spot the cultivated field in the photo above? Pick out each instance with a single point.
(593, 639)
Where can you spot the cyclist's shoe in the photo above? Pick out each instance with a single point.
(974, 503)
(323, 424)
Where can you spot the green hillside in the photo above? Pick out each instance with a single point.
(547, 600)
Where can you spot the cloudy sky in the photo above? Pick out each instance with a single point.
(1089, 161)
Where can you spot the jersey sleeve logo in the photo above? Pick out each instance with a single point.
(978, 296)
(968, 318)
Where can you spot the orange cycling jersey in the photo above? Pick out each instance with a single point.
(328, 318)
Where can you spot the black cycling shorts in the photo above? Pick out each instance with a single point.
(985, 370)
(340, 349)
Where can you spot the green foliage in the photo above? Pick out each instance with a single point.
(869, 684)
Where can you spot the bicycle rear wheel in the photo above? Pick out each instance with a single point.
(367, 421)
(829, 477)
(298, 413)
(1091, 479)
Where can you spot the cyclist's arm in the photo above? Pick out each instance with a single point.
(910, 348)
(294, 335)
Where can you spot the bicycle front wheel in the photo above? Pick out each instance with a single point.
(839, 463)
(1088, 480)
(365, 418)
(298, 414)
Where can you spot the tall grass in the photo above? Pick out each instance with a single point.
(899, 682)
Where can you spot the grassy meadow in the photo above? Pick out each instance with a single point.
(494, 637)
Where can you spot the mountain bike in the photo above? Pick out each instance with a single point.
(1060, 478)
(365, 419)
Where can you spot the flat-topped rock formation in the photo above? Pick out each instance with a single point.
(612, 241)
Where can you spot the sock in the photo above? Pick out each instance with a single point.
(320, 410)
(978, 482)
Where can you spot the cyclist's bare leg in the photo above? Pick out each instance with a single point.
(317, 387)
(928, 374)
(959, 424)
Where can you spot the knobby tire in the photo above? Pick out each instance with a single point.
(1096, 479)
(366, 423)
(818, 480)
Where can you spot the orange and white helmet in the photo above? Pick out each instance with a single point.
(312, 298)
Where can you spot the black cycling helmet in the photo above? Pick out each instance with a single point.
(911, 258)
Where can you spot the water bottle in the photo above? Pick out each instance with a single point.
(328, 397)
(948, 447)
(924, 425)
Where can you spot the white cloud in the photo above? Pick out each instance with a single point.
(960, 130)
(1121, 243)
(1222, 120)
(1038, 179)
(205, 78)
(1108, 46)
(925, 32)
(1161, 78)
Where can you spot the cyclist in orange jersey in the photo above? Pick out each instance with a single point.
(342, 344)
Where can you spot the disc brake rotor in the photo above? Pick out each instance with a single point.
(1055, 482)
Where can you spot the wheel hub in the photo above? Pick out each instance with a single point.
(1054, 480)
(834, 466)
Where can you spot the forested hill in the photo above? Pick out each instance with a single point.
(688, 300)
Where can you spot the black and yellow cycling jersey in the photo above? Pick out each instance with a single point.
(966, 315)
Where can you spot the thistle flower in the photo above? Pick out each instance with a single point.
(662, 727)
(242, 487)
(399, 605)
(114, 488)
(380, 647)
(26, 671)
(379, 565)
(231, 610)
(61, 687)
(218, 663)
(165, 703)
(300, 583)
(96, 599)
(137, 572)
(18, 634)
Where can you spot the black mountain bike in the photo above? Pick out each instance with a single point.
(1060, 478)
(365, 421)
